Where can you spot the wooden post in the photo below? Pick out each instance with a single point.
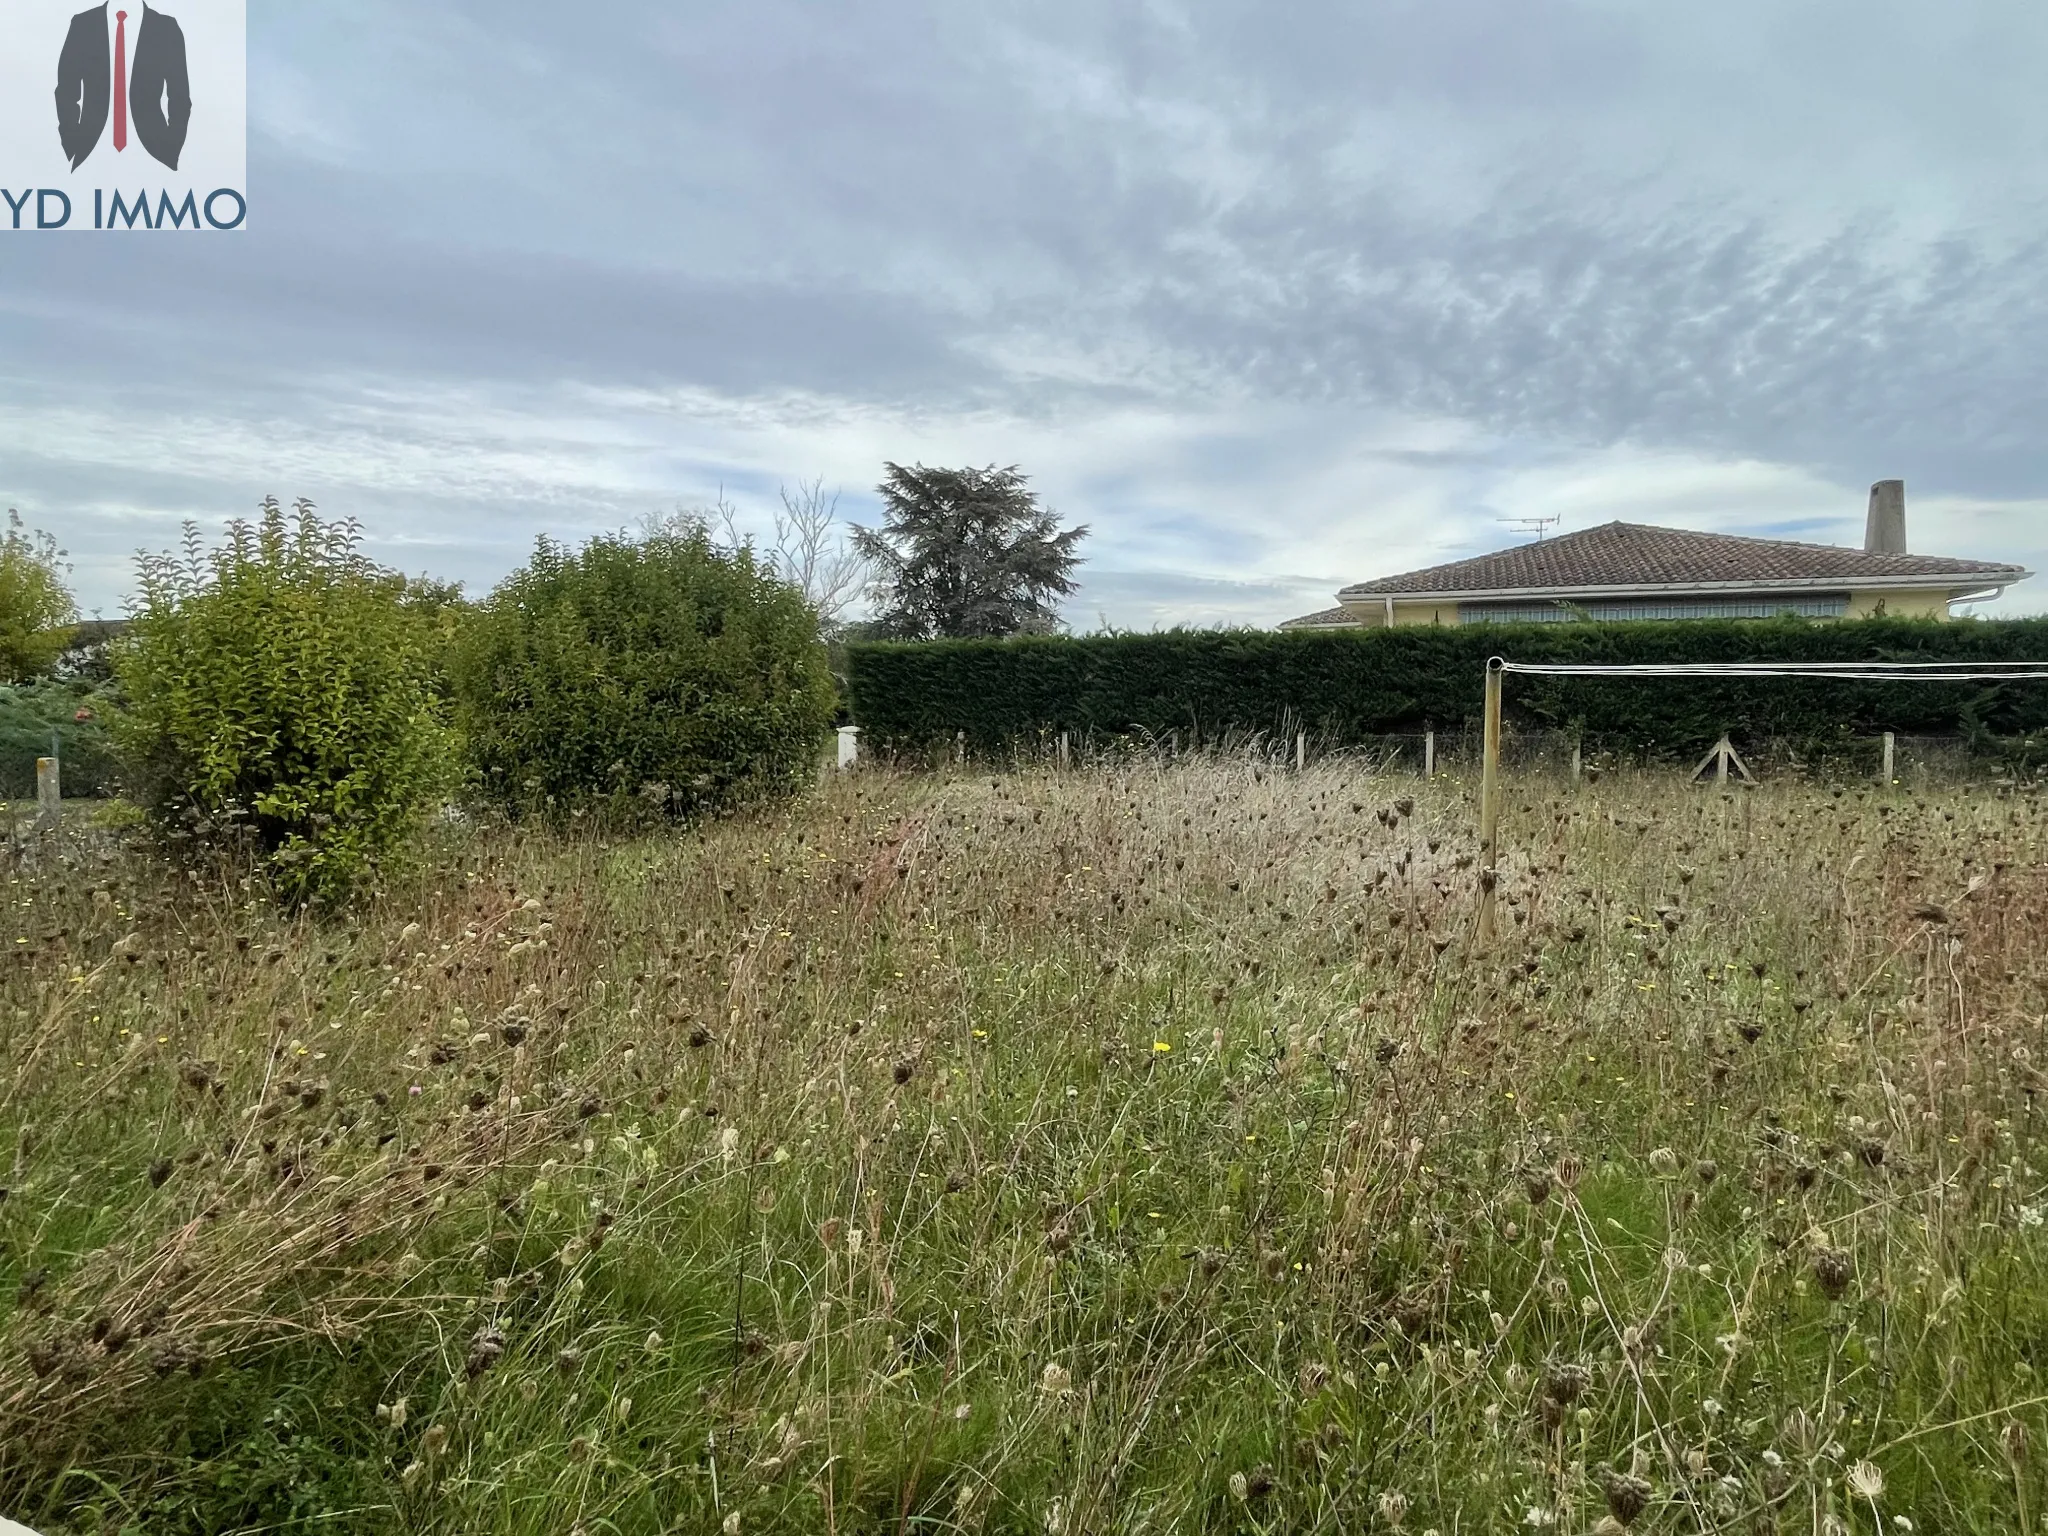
(960, 747)
(1066, 752)
(49, 795)
(1429, 754)
(1890, 758)
(1489, 802)
(1300, 750)
(1724, 760)
(1578, 760)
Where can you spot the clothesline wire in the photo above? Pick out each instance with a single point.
(1835, 671)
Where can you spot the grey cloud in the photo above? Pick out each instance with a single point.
(1558, 226)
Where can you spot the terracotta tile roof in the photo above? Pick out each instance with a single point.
(1327, 618)
(1631, 554)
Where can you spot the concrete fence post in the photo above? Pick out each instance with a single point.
(1429, 754)
(49, 795)
(849, 746)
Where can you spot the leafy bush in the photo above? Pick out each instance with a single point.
(36, 609)
(281, 691)
(662, 672)
(75, 714)
(1349, 685)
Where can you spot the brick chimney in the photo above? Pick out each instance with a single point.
(1884, 531)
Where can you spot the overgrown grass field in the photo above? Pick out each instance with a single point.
(1143, 1149)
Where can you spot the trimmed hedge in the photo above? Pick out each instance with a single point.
(1349, 685)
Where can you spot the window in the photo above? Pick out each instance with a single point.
(1832, 606)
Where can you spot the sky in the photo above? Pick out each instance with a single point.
(1272, 298)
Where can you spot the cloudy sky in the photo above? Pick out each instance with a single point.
(1273, 297)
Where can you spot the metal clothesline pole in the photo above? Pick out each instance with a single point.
(1497, 668)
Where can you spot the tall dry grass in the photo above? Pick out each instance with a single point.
(1134, 1150)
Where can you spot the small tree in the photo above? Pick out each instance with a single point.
(807, 552)
(966, 553)
(660, 673)
(280, 691)
(36, 610)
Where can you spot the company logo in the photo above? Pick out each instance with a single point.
(156, 90)
(150, 127)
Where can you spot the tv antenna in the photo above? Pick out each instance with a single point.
(1536, 525)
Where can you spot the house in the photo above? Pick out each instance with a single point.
(1622, 571)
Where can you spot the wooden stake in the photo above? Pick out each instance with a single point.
(1578, 761)
(1066, 752)
(1890, 761)
(1722, 760)
(1300, 750)
(1489, 802)
(1429, 754)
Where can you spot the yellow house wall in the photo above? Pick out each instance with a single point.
(1899, 605)
(1373, 615)
(1425, 613)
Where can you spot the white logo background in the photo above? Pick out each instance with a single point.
(32, 158)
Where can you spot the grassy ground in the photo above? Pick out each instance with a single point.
(1144, 1151)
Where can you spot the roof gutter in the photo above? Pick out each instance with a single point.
(1958, 580)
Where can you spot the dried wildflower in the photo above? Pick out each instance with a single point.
(1055, 1380)
(1537, 1185)
(2015, 1441)
(1240, 1487)
(568, 1360)
(1664, 1162)
(1866, 1480)
(1799, 1431)
(484, 1352)
(1627, 1497)
(1832, 1268)
(904, 1071)
(1393, 1506)
(435, 1440)
(1565, 1383)
(1706, 1170)
(1569, 1169)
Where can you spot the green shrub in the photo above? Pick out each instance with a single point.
(660, 672)
(1349, 685)
(281, 692)
(36, 609)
